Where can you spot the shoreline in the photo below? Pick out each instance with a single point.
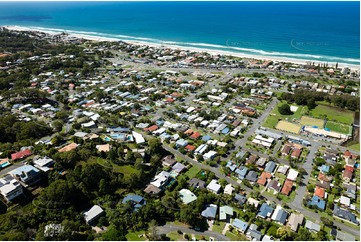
(353, 67)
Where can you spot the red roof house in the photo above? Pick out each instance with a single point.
(20, 154)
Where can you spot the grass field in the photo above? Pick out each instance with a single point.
(308, 121)
(134, 236)
(192, 172)
(355, 147)
(288, 127)
(275, 116)
(333, 114)
(339, 128)
(127, 170)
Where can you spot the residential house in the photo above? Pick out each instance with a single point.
(210, 212)
(279, 215)
(347, 175)
(345, 214)
(319, 192)
(270, 167)
(103, 148)
(286, 149)
(283, 169)
(10, 188)
(240, 225)
(161, 180)
(319, 203)
(262, 180)
(253, 202)
(44, 164)
(313, 227)
(241, 172)
(214, 186)
(228, 189)
(21, 154)
(135, 200)
(292, 174)
(294, 221)
(197, 183)
(209, 155)
(26, 174)
(178, 168)
(296, 153)
(253, 233)
(93, 214)
(168, 161)
(240, 199)
(68, 147)
(342, 236)
(265, 211)
(225, 213)
(252, 176)
(274, 186)
(287, 187)
(187, 196)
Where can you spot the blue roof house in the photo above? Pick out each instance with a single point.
(240, 225)
(265, 211)
(270, 167)
(316, 201)
(210, 212)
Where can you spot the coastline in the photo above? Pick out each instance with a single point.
(353, 67)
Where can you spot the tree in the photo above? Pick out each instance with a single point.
(57, 125)
(285, 109)
(153, 233)
(113, 234)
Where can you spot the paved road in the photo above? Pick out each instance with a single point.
(171, 228)
(256, 124)
(300, 193)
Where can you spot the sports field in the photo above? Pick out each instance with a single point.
(339, 128)
(288, 127)
(308, 121)
(275, 116)
(333, 114)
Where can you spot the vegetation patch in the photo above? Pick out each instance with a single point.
(333, 114)
(339, 128)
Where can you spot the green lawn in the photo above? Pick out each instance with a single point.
(174, 236)
(134, 236)
(333, 114)
(192, 172)
(355, 147)
(236, 237)
(275, 116)
(218, 228)
(127, 170)
(338, 127)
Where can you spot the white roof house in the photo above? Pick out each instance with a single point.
(292, 174)
(213, 186)
(138, 137)
(187, 196)
(93, 213)
(10, 188)
(228, 189)
(345, 201)
(209, 155)
(44, 163)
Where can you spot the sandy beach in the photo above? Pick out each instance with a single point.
(172, 46)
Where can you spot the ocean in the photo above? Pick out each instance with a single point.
(314, 31)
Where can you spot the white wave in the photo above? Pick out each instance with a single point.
(185, 44)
